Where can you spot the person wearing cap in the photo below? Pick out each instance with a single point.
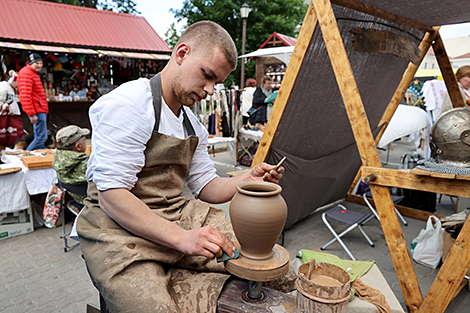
(33, 100)
(70, 160)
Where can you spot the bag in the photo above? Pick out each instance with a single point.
(252, 111)
(52, 206)
(427, 248)
(11, 128)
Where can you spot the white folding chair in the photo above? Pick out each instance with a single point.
(354, 219)
(395, 200)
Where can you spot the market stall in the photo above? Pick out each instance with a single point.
(86, 52)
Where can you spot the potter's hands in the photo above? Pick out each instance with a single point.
(268, 173)
(206, 241)
(33, 119)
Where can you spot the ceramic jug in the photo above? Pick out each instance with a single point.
(258, 214)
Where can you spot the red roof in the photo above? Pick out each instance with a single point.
(49, 23)
(276, 38)
(463, 56)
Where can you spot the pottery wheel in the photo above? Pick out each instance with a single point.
(260, 270)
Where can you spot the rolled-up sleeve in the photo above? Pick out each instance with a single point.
(122, 124)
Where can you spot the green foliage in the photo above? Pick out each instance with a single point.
(122, 6)
(266, 17)
(172, 36)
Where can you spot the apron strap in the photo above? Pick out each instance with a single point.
(156, 88)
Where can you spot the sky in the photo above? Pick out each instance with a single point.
(157, 13)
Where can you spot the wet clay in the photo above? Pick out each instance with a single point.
(325, 280)
(258, 214)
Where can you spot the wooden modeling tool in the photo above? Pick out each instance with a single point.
(276, 168)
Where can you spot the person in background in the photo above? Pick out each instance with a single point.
(33, 100)
(11, 125)
(261, 93)
(247, 98)
(12, 85)
(463, 80)
(70, 160)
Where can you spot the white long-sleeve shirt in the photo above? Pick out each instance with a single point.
(122, 123)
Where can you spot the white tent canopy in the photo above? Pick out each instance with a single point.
(282, 53)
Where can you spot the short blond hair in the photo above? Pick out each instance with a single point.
(463, 71)
(207, 35)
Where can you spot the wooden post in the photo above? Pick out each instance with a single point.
(367, 149)
(447, 72)
(400, 92)
(450, 275)
(301, 48)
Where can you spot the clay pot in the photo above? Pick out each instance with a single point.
(258, 214)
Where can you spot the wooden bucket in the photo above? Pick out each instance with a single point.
(319, 295)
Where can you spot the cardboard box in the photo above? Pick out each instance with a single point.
(16, 223)
(448, 243)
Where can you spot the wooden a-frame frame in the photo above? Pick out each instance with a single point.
(451, 274)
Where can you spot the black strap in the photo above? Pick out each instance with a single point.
(156, 88)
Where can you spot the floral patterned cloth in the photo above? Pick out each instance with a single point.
(52, 206)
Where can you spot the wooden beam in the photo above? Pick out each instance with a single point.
(447, 73)
(368, 9)
(400, 92)
(405, 179)
(406, 211)
(292, 72)
(368, 152)
(450, 275)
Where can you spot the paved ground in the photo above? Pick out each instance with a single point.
(37, 276)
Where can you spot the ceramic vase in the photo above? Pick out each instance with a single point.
(258, 214)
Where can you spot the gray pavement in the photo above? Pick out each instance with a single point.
(37, 276)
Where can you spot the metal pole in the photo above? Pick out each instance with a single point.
(242, 79)
(254, 290)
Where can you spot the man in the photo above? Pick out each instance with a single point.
(147, 248)
(33, 100)
(70, 160)
(261, 93)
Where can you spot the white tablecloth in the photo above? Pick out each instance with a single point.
(213, 141)
(15, 188)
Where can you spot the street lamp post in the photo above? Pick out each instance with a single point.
(244, 12)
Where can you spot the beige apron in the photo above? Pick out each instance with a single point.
(136, 275)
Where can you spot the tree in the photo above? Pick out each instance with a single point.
(122, 6)
(266, 17)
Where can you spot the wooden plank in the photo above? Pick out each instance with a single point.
(367, 149)
(405, 179)
(295, 63)
(398, 247)
(405, 82)
(448, 73)
(405, 211)
(38, 162)
(450, 275)
(368, 9)
(418, 171)
(10, 170)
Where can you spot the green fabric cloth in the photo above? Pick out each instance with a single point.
(354, 268)
(70, 167)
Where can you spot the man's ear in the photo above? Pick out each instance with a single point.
(182, 52)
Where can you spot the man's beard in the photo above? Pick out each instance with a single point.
(183, 96)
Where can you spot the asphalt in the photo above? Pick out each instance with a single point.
(38, 276)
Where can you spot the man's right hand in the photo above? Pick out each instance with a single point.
(206, 241)
(33, 119)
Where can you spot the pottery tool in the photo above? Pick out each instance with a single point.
(276, 168)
